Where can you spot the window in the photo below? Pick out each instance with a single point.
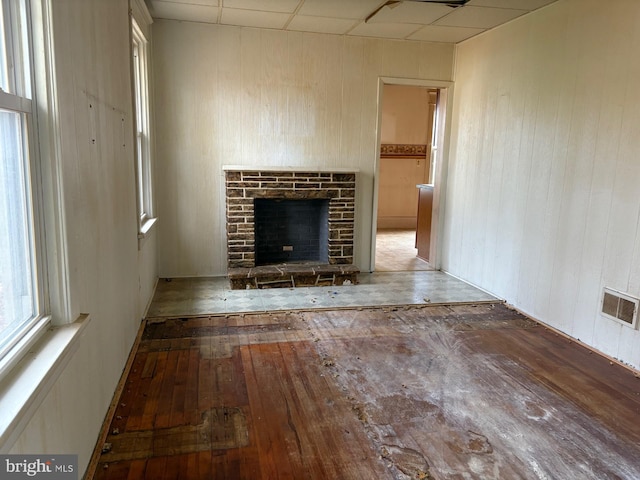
(143, 150)
(22, 294)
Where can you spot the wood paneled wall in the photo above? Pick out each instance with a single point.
(242, 96)
(542, 200)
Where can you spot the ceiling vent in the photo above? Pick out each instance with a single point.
(449, 3)
(620, 307)
(391, 4)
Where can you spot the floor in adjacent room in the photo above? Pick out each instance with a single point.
(407, 375)
(396, 251)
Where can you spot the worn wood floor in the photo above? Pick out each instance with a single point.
(441, 392)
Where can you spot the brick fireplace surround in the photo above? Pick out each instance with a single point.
(243, 186)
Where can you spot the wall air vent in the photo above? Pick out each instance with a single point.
(620, 307)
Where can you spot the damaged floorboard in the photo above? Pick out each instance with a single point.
(431, 392)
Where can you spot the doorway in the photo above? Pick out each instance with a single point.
(411, 122)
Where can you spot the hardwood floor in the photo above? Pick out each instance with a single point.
(442, 392)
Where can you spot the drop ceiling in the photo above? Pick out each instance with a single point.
(405, 20)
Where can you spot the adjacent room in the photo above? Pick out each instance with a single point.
(324, 239)
(408, 155)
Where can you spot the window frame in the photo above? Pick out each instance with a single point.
(21, 99)
(142, 130)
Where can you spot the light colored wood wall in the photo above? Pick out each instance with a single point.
(397, 191)
(542, 201)
(110, 278)
(242, 96)
(405, 115)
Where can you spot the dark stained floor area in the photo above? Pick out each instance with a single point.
(440, 392)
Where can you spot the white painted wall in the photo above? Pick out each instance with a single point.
(242, 96)
(110, 278)
(542, 200)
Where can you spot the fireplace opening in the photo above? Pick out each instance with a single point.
(291, 230)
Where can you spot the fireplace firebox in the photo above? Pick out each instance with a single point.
(291, 230)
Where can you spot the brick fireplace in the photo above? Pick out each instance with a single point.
(243, 187)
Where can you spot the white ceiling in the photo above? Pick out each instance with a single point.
(410, 20)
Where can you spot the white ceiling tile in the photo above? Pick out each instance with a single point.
(284, 6)
(252, 18)
(410, 12)
(515, 4)
(479, 17)
(305, 23)
(188, 12)
(434, 33)
(384, 30)
(340, 8)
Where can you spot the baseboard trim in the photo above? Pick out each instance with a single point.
(104, 431)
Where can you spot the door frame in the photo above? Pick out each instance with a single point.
(442, 126)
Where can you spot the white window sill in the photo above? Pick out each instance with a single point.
(24, 388)
(147, 227)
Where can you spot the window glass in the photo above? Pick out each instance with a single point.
(4, 69)
(22, 50)
(15, 74)
(17, 304)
